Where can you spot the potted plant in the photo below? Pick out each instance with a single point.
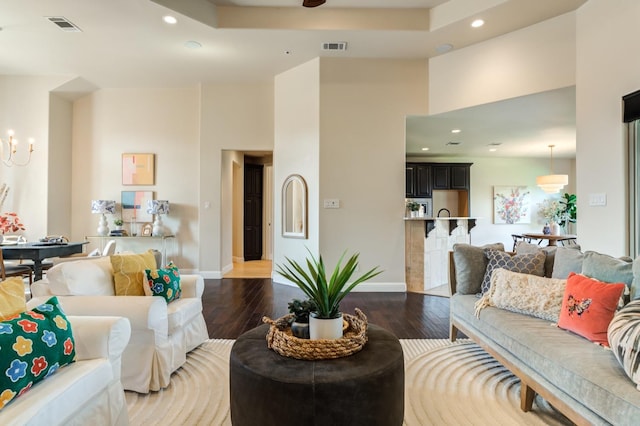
(301, 309)
(413, 208)
(325, 322)
(118, 223)
(569, 208)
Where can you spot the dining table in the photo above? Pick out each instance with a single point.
(552, 239)
(38, 251)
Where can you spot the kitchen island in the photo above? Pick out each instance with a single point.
(428, 241)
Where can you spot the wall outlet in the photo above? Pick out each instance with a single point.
(597, 199)
(331, 203)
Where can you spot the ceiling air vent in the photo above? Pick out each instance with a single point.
(335, 46)
(63, 23)
(453, 143)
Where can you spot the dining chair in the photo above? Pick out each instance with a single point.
(23, 271)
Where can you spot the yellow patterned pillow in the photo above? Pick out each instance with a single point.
(12, 299)
(128, 272)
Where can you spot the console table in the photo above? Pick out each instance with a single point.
(137, 242)
(366, 388)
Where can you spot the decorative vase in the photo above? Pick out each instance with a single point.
(555, 228)
(321, 328)
(546, 230)
(300, 329)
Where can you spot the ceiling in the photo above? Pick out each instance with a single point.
(126, 44)
(522, 127)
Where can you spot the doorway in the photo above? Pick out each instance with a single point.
(251, 217)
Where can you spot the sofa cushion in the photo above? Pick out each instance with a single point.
(624, 339)
(522, 247)
(470, 265)
(567, 260)
(87, 277)
(524, 293)
(531, 263)
(588, 306)
(163, 282)
(128, 272)
(12, 299)
(609, 269)
(34, 345)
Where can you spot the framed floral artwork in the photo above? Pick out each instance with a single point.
(138, 169)
(511, 205)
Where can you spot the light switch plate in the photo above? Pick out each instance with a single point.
(331, 203)
(598, 199)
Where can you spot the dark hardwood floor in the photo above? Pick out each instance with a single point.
(232, 306)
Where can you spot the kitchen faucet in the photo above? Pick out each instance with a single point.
(446, 210)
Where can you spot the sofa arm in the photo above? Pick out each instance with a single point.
(192, 285)
(41, 288)
(143, 312)
(100, 337)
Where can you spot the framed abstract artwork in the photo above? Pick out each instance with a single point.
(511, 205)
(138, 169)
(134, 206)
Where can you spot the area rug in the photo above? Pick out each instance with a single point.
(445, 384)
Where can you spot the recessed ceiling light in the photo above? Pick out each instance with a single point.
(493, 149)
(170, 19)
(456, 131)
(192, 44)
(477, 23)
(425, 149)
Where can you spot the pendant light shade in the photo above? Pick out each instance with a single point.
(552, 184)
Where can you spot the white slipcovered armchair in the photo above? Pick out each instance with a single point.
(161, 334)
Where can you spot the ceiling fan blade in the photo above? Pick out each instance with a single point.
(313, 3)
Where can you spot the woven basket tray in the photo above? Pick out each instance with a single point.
(280, 339)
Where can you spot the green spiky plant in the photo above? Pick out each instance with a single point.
(327, 293)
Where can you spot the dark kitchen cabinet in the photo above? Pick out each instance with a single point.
(460, 176)
(451, 176)
(418, 180)
(441, 175)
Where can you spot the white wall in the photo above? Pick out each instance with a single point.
(297, 151)
(110, 122)
(364, 103)
(25, 108)
(59, 187)
(233, 117)
(535, 59)
(608, 68)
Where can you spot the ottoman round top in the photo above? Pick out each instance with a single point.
(380, 352)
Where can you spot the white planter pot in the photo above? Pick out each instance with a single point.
(320, 328)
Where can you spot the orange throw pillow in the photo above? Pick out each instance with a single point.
(588, 306)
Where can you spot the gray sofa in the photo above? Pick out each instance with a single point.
(582, 380)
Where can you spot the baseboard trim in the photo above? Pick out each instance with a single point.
(237, 259)
(364, 287)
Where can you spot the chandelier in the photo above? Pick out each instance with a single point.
(9, 152)
(552, 184)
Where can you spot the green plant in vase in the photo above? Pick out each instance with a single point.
(325, 291)
(301, 309)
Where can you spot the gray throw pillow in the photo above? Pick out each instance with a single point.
(609, 269)
(567, 260)
(470, 264)
(635, 285)
(531, 263)
(550, 252)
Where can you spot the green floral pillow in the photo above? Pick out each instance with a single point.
(34, 345)
(164, 282)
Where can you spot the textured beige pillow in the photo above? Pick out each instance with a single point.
(12, 299)
(128, 272)
(525, 294)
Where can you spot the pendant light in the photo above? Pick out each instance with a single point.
(552, 184)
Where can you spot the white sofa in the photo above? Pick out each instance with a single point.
(87, 391)
(161, 334)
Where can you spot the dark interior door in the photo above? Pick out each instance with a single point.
(252, 212)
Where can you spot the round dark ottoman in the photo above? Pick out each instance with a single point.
(366, 388)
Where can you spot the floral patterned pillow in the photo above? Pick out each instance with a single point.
(164, 282)
(34, 345)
